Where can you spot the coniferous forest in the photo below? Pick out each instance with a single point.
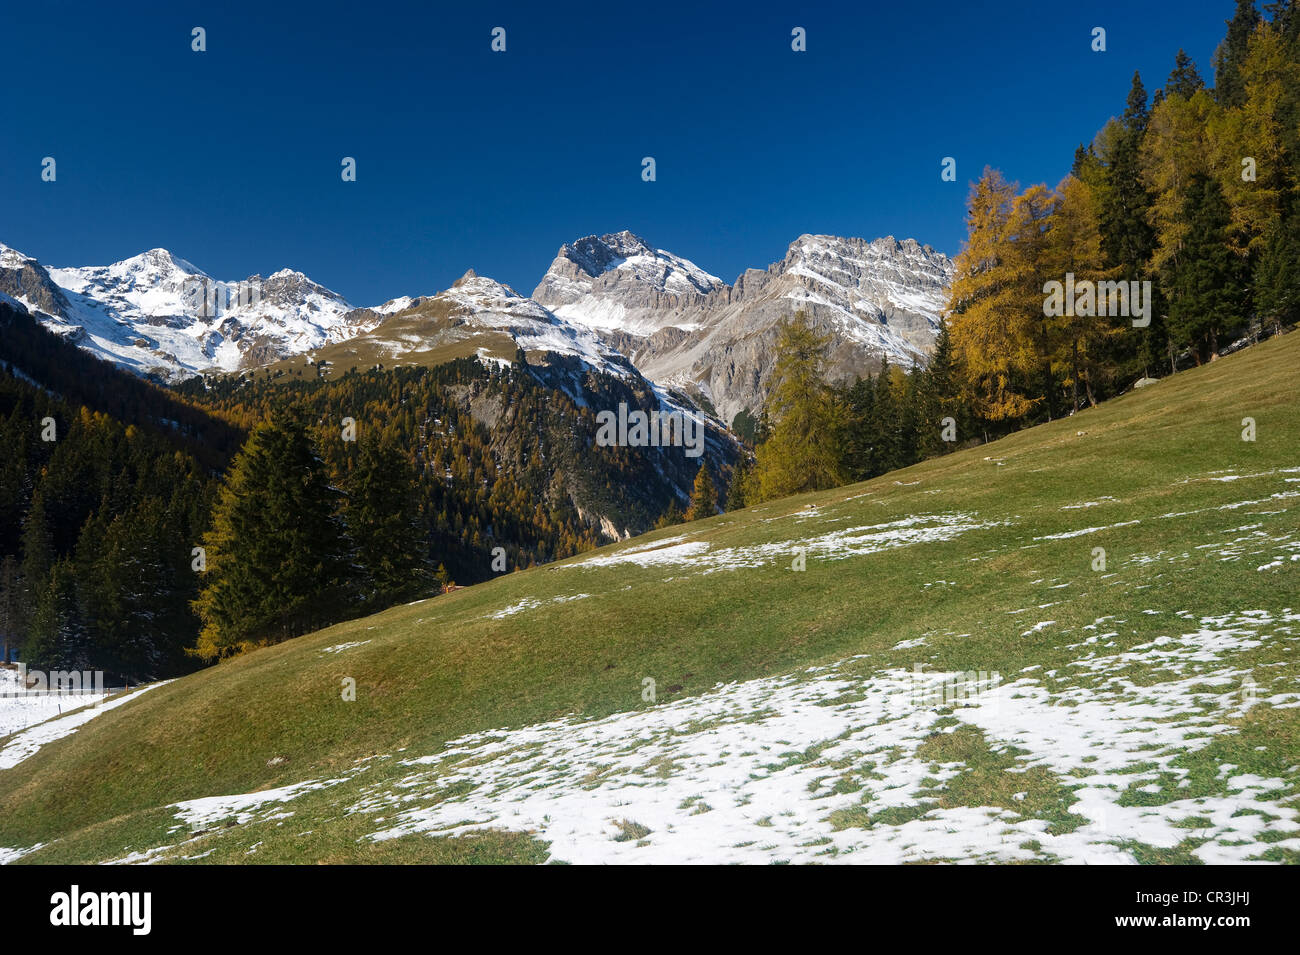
(156, 529)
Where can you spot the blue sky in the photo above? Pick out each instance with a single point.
(469, 158)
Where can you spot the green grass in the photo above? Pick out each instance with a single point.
(436, 670)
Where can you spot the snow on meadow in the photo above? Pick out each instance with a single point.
(823, 765)
(1117, 753)
(835, 545)
(24, 744)
(832, 764)
(17, 712)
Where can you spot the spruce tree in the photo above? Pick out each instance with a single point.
(59, 638)
(1127, 238)
(859, 404)
(1208, 288)
(384, 523)
(1277, 289)
(671, 516)
(12, 607)
(942, 397)
(1229, 88)
(38, 551)
(704, 498)
(277, 555)
(736, 489)
(1184, 80)
(886, 420)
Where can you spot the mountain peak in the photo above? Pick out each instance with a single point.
(11, 258)
(153, 264)
(597, 254)
(619, 281)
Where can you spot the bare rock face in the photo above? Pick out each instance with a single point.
(24, 279)
(874, 300)
(617, 282)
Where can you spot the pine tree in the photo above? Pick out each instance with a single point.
(736, 489)
(59, 639)
(885, 422)
(12, 606)
(704, 497)
(38, 551)
(384, 523)
(1207, 284)
(1136, 111)
(1185, 79)
(857, 440)
(1277, 291)
(1123, 206)
(1229, 88)
(801, 453)
(671, 516)
(277, 556)
(941, 398)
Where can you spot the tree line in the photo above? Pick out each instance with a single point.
(1192, 194)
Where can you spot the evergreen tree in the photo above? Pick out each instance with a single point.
(1184, 80)
(1207, 285)
(855, 441)
(736, 489)
(801, 453)
(1277, 289)
(59, 639)
(1127, 238)
(277, 556)
(12, 607)
(1136, 111)
(941, 398)
(38, 551)
(885, 423)
(384, 523)
(704, 497)
(670, 517)
(1229, 88)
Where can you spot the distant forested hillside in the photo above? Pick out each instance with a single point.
(135, 520)
(105, 486)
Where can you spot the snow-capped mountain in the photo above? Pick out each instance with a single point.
(617, 282)
(610, 303)
(476, 316)
(160, 315)
(24, 280)
(875, 300)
